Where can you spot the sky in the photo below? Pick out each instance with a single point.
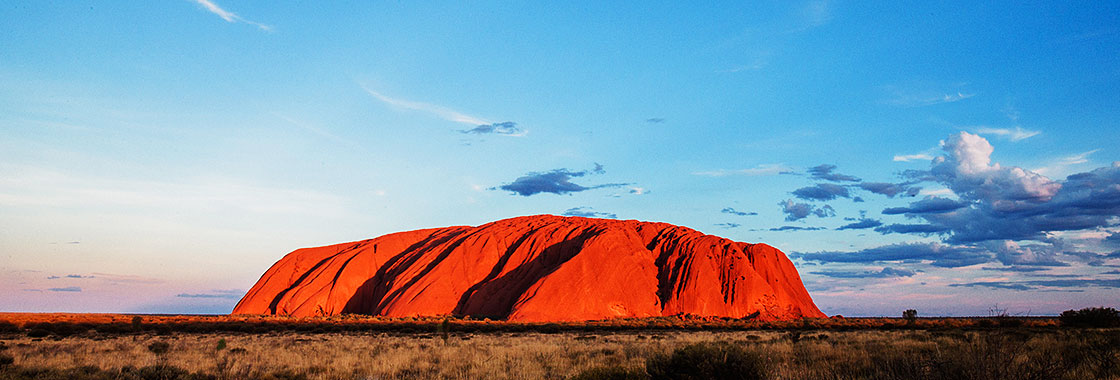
(957, 158)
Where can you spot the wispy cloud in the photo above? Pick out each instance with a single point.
(860, 225)
(822, 192)
(217, 293)
(890, 189)
(37, 185)
(74, 276)
(760, 170)
(1062, 164)
(917, 229)
(316, 130)
(732, 211)
(1078, 158)
(886, 272)
(70, 289)
(933, 205)
(925, 94)
(912, 157)
(556, 181)
(1015, 134)
(127, 279)
(811, 15)
(795, 228)
(825, 172)
(1039, 284)
(919, 101)
(507, 128)
(940, 255)
(435, 110)
(229, 16)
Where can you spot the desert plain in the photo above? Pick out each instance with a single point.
(121, 346)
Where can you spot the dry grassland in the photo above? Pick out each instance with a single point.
(1004, 353)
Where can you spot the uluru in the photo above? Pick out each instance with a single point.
(537, 268)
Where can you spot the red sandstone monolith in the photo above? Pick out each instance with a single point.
(537, 268)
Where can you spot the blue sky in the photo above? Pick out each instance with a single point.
(951, 157)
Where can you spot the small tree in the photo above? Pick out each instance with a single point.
(444, 329)
(910, 315)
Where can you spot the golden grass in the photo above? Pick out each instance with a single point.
(789, 354)
(365, 347)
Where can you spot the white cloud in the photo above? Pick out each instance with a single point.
(435, 110)
(229, 16)
(943, 192)
(912, 157)
(760, 170)
(969, 154)
(1015, 134)
(968, 168)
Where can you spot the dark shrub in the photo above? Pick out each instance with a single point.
(549, 328)
(6, 360)
(160, 372)
(8, 327)
(611, 373)
(719, 360)
(112, 328)
(1010, 322)
(1091, 317)
(284, 374)
(38, 332)
(76, 373)
(61, 329)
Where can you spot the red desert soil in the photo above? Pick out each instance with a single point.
(537, 268)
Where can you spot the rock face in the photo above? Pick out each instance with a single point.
(537, 268)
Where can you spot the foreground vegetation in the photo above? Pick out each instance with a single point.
(1079, 345)
(1009, 353)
